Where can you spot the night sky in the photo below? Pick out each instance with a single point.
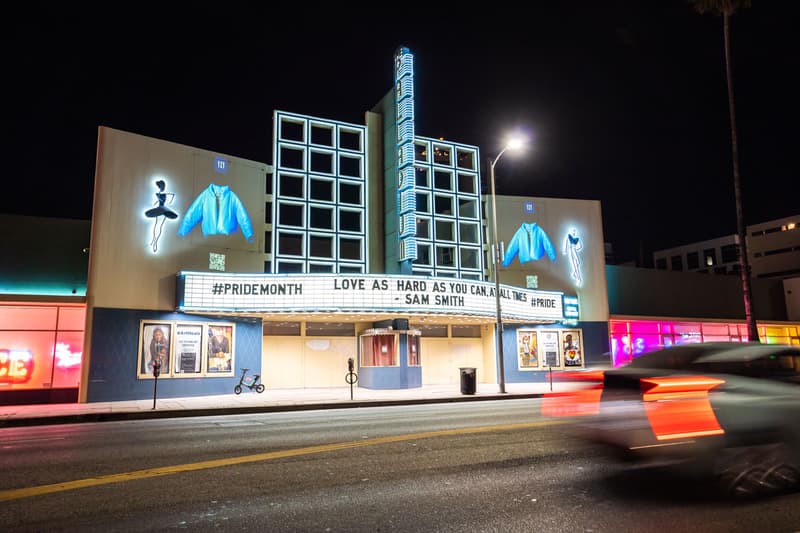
(625, 102)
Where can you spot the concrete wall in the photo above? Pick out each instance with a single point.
(647, 292)
(124, 270)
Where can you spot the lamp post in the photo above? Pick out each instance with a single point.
(513, 145)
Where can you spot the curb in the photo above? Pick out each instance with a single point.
(81, 418)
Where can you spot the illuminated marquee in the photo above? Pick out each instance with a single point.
(362, 294)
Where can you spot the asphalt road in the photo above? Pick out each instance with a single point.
(458, 467)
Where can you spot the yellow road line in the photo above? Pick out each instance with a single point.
(28, 492)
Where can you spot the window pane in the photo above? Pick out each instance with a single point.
(291, 185)
(468, 232)
(423, 228)
(290, 215)
(321, 190)
(349, 193)
(444, 205)
(349, 249)
(466, 159)
(468, 208)
(349, 166)
(422, 177)
(445, 230)
(322, 162)
(290, 244)
(443, 180)
(350, 221)
(469, 257)
(321, 246)
(467, 183)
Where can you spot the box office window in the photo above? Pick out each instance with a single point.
(414, 350)
(379, 350)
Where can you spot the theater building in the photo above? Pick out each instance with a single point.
(364, 241)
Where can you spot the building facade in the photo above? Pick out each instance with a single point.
(363, 241)
(773, 249)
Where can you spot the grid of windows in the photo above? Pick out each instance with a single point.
(319, 202)
(447, 185)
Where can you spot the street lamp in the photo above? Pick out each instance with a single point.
(513, 144)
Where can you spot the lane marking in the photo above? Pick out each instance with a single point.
(29, 492)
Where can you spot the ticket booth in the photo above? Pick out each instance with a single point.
(389, 359)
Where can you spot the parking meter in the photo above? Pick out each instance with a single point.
(351, 377)
(156, 373)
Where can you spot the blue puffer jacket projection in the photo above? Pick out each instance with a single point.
(531, 243)
(220, 211)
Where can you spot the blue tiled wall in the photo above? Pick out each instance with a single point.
(114, 357)
(595, 350)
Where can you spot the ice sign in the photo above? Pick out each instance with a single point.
(221, 165)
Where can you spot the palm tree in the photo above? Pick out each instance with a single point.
(727, 8)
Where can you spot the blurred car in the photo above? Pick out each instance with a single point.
(728, 411)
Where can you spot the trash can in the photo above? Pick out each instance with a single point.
(467, 380)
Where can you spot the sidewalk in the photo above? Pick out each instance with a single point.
(252, 402)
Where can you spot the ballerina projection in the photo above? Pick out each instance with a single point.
(161, 212)
(573, 245)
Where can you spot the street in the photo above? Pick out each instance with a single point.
(459, 467)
